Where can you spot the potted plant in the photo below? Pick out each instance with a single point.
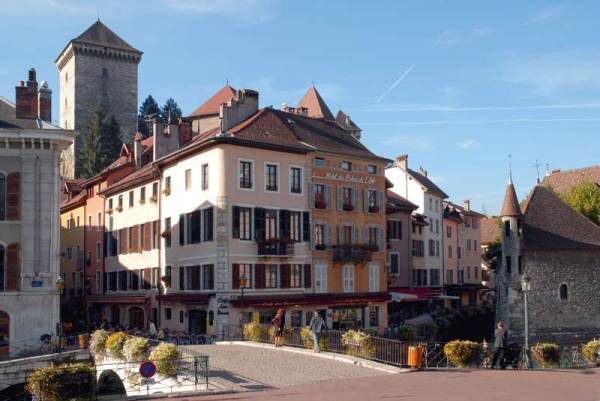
(463, 353)
(153, 199)
(546, 354)
(165, 356)
(590, 351)
(347, 207)
(119, 208)
(167, 191)
(136, 349)
(358, 343)
(115, 343)
(98, 343)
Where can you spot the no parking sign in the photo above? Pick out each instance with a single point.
(147, 369)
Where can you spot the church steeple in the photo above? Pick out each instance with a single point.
(510, 207)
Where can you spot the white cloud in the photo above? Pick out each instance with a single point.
(468, 144)
(545, 16)
(555, 71)
(246, 10)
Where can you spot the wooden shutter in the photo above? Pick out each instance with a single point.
(235, 276)
(327, 238)
(13, 196)
(259, 276)
(355, 201)
(284, 223)
(313, 195)
(147, 278)
(208, 224)
(307, 276)
(380, 241)
(147, 236)
(356, 234)
(285, 276)
(135, 235)
(380, 201)
(340, 198)
(13, 267)
(235, 229)
(123, 241)
(365, 200)
(181, 229)
(328, 196)
(157, 233)
(182, 278)
(306, 226)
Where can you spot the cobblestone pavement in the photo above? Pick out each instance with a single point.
(244, 368)
(452, 385)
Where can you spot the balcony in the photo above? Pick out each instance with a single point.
(276, 247)
(354, 253)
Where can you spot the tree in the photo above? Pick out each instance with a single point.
(149, 107)
(102, 144)
(172, 106)
(585, 198)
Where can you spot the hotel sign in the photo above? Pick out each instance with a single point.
(348, 178)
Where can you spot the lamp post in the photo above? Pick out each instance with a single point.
(243, 282)
(526, 287)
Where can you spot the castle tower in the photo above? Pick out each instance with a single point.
(508, 278)
(97, 67)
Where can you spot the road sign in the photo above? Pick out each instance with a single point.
(147, 369)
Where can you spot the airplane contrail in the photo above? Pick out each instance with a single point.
(404, 74)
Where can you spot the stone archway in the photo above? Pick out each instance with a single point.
(109, 383)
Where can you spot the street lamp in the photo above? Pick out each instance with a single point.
(243, 282)
(526, 287)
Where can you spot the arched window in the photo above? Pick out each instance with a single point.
(563, 292)
(2, 197)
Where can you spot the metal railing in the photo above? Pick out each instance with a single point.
(275, 249)
(351, 254)
(30, 348)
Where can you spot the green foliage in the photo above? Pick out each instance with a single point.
(255, 332)
(166, 357)
(463, 353)
(590, 351)
(172, 106)
(56, 384)
(358, 343)
(406, 333)
(98, 343)
(102, 144)
(148, 107)
(585, 198)
(136, 349)
(546, 354)
(115, 343)
(307, 339)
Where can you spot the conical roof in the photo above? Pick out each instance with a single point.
(510, 207)
(212, 105)
(100, 35)
(315, 104)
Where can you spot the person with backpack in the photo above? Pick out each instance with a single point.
(279, 325)
(317, 326)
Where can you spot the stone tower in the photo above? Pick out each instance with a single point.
(97, 67)
(508, 278)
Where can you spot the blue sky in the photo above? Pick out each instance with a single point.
(457, 85)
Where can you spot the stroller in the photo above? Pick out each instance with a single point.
(511, 356)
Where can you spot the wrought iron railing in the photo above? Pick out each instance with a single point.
(351, 254)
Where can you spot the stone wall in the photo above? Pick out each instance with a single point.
(550, 317)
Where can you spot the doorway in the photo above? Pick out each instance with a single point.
(115, 315)
(136, 318)
(197, 321)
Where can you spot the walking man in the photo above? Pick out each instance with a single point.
(499, 344)
(317, 325)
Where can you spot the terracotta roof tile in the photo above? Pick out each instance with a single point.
(345, 121)
(551, 224)
(212, 105)
(563, 182)
(315, 104)
(395, 201)
(510, 206)
(490, 230)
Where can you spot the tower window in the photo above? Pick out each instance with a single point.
(508, 265)
(507, 228)
(563, 292)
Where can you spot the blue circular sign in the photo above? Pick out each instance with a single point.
(147, 369)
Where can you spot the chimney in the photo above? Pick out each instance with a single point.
(402, 162)
(185, 131)
(44, 102)
(242, 106)
(137, 149)
(26, 98)
(467, 205)
(422, 171)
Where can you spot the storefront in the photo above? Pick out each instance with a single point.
(186, 313)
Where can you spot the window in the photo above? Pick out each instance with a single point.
(270, 224)
(372, 236)
(507, 228)
(320, 195)
(69, 253)
(98, 251)
(563, 292)
(245, 273)
(77, 221)
(467, 221)
(167, 189)
(476, 272)
(373, 277)
(431, 247)
(143, 195)
(475, 222)
(320, 278)
(271, 178)
(449, 232)
(394, 263)
(154, 277)
(420, 277)
(245, 173)
(296, 318)
(468, 245)
(188, 179)
(120, 202)
(110, 204)
(167, 232)
(207, 224)
(372, 169)
(99, 221)
(205, 176)
(98, 274)
(90, 221)
(461, 276)
(437, 248)
(348, 278)
(319, 237)
(347, 198)
(346, 166)
(295, 226)
(437, 226)
(373, 316)
(167, 313)
(468, 272)
(123, 280)
(182, 278)
(520, 264)
(295, 276)
(434, 277)
(270, 276)
(430, 203)
(394, 229)
(418, 248)
(131, 199)
(242, 223)
(154, 234)
(155, 190)
(295, 180)
(192, 277)
(180, 316)
(508, 265)
(458, 252)
(167, 278)
(450, 251)
(449, 276)
(208, 277)
(319, 161)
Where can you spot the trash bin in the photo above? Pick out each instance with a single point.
(415, 356)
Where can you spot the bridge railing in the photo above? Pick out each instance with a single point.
(35, 347)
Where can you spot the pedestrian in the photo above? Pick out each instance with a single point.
(278, 324)
(151, 329)
(317, 325)
(499, 344)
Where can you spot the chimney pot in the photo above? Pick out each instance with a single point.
(402, 162)
(467, 205)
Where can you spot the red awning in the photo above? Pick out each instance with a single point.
(405, 294)
(311, 299)
(120, 300)
(185, 298)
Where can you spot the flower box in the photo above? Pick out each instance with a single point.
(373, 209)
(347, 207)
(153, 199)
(320, 204)
(167, 191)
(119, 208)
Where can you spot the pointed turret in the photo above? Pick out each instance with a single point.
(315, 105)
(510, 207)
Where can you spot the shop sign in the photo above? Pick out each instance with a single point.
(348, 178)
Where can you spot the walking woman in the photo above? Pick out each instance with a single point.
(499, 344)
(278, 324)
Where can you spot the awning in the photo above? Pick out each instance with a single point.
(291, 300)
(185, 298)
(405, 294)
(419, 320)
(118, 300)
(451, 297)
(400, 296)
